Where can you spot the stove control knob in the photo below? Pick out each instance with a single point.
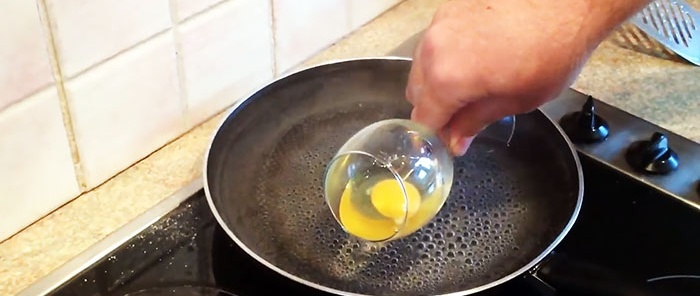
(653, 155)
(585, 126)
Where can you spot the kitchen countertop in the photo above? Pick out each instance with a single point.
(660, 89)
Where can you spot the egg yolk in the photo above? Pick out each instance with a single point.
(428, 208)
(387, 198)
(360, 225)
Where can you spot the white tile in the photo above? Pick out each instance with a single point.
(186, 8)
(226, 54)
(37, 173)
(24, 58)
(363, 11)
(90, 31)
(304, 28)
(126, 108)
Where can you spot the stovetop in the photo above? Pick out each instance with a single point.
(636, 224)
(624, 226)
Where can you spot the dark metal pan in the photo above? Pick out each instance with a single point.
(509, 207)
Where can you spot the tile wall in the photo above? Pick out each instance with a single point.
(89, 87)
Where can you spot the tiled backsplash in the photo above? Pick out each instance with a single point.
(90, 87)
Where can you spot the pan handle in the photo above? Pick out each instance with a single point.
(562, 275)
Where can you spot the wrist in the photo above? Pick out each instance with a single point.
(607, 15)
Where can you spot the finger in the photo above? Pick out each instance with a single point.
(432, 113)
(471, 120)
(414, 86)
(444, 136)
(460, 146)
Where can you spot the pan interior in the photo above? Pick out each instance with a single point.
(265, 172)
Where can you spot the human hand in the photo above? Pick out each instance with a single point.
(480, 61)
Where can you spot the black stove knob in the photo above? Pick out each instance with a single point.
(585, 126)
(653, 155)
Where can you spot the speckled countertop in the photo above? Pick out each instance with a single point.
(661, 90)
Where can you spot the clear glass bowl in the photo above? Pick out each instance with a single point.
(388, 180)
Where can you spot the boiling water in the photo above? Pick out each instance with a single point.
(478, 236)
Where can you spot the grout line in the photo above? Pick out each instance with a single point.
(118, 53)
(38, 90)
(149, 38)
(179, 63)
(273, 29)
(63, 100)
(204, 11)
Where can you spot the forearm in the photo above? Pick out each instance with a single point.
(559, 23)
(594, 18)
(606, 15)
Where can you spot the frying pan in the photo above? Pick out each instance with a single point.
(510, 205)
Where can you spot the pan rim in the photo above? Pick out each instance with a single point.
(531, 265)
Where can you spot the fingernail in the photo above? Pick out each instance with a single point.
(458, 145)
